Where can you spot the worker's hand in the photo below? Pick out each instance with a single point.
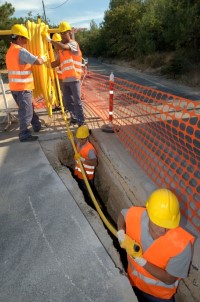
(48, 38)
(120, 235)
(140, 260)
(44, 58)
(45, 34)
(132, 248)
(77, 156)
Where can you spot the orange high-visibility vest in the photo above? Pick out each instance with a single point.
(20, 76)
(70, 64)
(89, 170)
(159, 253)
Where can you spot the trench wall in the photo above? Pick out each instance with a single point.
(122, 183)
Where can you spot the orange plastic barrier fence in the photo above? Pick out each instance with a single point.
(162, 132)
(39, 103)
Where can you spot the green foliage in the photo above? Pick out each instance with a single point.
(176, 66)
(6, 22)
(91, 41)
(3, 50)
(134, 29)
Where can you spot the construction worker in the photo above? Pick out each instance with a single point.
(57, 38)
(88, 156)
(19, 61)
(166, 247)
(70, 60)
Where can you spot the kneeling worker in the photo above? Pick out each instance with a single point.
(88, 157)
(165, 248)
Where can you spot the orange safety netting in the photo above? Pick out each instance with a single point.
(39, 103)
(162, 132)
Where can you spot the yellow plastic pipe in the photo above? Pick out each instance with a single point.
(47, 85)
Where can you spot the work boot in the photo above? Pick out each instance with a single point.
(57, 108)
(30, 138)
(73, 121)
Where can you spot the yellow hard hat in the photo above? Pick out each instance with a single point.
(82, 132)
(163, 209)
(64, 26)
(20, 30)
(56, 37)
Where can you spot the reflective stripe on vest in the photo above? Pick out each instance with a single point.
(89, 170)
(158, 253)
(70, 64)
(20, 76)
(151, 281)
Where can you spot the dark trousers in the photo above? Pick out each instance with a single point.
(72, 100)
(26, 113)
(84, 189)
(144, 297)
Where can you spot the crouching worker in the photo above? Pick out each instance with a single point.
(88, 157)
(166, 248)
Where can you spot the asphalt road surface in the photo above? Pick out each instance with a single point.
(155, 82)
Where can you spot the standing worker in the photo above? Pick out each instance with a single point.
(70, 60)
(88, 157)
(19, 61)
(166, 248)
(57, 38)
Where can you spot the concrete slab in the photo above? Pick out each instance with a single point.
(49, 252)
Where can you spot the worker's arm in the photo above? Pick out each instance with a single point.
(40, 60)
(56, 62)
(26, 57)
(60, 45)
(121, 224)
(91, 162)
(159, 273)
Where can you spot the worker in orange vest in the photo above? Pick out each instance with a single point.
(57, 38)
(88, 157)
(19, 61)
(166, 247)
(70, 60)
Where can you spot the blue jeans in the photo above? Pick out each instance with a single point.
(144, 297)
(72, 100)
(26, 113)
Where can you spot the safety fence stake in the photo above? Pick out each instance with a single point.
(109, 127)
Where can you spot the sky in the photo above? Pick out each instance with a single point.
(78, 13)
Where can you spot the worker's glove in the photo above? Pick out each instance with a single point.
(45, 34)
(132, 248)
(120, 235)
(77, 156)
(44, 58)
(48, 38)
(140, 260)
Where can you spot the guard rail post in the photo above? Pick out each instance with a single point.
(109, 128)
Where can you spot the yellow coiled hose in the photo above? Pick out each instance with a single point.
(47, 86)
